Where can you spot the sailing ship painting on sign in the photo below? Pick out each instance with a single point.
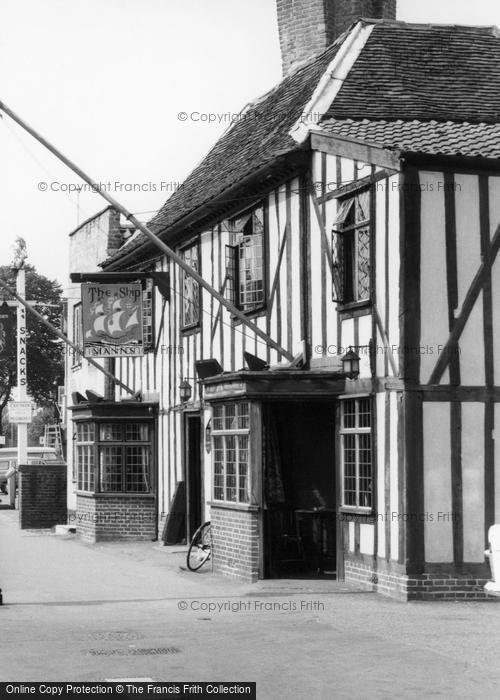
(112, 320)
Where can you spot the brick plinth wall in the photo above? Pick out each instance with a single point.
(100, 518)
(42, 495)
(235, 542)
(431, 586)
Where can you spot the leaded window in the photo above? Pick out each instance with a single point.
(113, 457)
(351, 249)
(85, 456)
(231, 426)
(356, 453)
(190, 289)
(245, 261)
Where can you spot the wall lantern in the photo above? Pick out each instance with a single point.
(208, 436)
(185, 390)
(350, 364)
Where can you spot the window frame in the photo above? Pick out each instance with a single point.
(190, 325)
(223, 434)
(95, 448)
(357, 430)
(233, 284)
(344, 237)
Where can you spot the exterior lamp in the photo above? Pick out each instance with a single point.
(208, 436)
(185, 390)
(350, 364)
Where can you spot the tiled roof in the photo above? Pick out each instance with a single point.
(411, 71)
(406, 72)
(254, 140)
(431, 137)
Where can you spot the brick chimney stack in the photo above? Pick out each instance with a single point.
(307, 27)
(115, 233)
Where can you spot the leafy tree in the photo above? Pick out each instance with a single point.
(45, 358)
(36, 429)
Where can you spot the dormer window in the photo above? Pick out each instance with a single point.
(191, 289)
(351, 245)
(245, 261)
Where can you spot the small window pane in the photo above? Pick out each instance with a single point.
(111, 468)
(230, 417)
(136, 432)
(218, 417)
(363, 207)
(364, 413)
(137, 469)
(85, 467)
(343, 212)
(243, 416)
(219, 468)
(110, 432)
(85, 432)
(349, 414)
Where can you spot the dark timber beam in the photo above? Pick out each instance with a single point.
(356, 150)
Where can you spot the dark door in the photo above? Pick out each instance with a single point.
(299, 486)
(192, 462)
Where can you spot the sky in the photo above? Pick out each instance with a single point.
(111, 82)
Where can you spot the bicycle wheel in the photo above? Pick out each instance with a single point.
(200, 548)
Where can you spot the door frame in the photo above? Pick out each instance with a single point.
(188, 418)
(333, 404)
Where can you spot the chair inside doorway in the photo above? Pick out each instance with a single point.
(299, 490)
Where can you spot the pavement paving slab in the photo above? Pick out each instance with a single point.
(79, 612)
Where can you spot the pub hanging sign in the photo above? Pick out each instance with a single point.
(112, 320)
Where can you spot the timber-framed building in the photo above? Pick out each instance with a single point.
(355, 208)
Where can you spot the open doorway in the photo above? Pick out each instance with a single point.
(192, 462)
(299, 489)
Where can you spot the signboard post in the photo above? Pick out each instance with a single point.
(112, 320)
(22, 384)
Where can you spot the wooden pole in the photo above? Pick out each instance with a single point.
(22, 370)
(152, 237)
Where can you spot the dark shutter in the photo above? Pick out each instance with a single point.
(232, 253)
(338, 266)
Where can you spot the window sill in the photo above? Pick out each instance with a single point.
(254, 313)
(355, 308)
(367, 513)
(190, 330)
(116, 494)
(229, 505)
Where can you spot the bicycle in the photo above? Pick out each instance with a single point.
(200, 549)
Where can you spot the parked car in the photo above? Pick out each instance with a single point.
(8, 458)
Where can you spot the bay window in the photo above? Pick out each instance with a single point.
(230, 434)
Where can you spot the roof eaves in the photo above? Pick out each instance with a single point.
(90, 218)
(199, 214)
